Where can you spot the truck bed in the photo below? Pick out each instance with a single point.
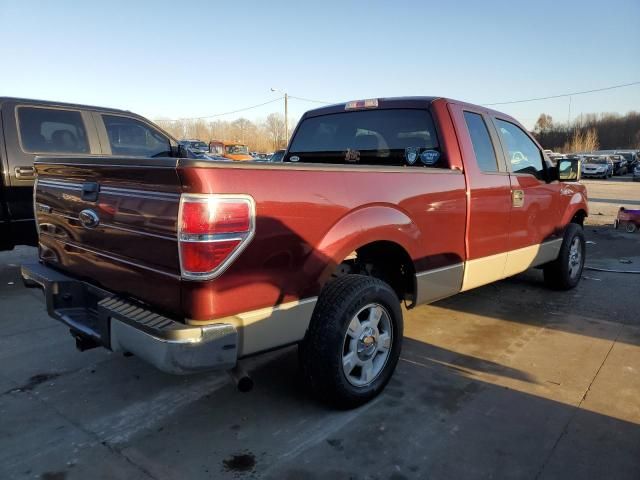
(308, 219)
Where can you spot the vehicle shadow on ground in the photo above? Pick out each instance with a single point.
(432, 421)
(600, 296)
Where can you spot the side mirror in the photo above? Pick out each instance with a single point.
(569, 169)
(178, 151)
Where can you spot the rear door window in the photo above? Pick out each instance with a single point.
(386, 137)
(131, 137)
(49, 130)
(482, 145)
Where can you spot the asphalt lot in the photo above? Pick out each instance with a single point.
(510, 380)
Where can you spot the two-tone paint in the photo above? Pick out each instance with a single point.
(460, 227)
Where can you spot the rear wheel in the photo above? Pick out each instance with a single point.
(354, 340)
(631, 227)
(564, 273)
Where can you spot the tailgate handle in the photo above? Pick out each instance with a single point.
(90, 191)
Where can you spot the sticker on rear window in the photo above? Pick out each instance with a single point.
(352, 156)
(411, 155)
(430, 157)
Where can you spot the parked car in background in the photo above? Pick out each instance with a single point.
(277, 156)
(554, 157)
(631, 157)
(233, 151)
(378, 203)
(197, 146)
(619, 164)
(597, 166)
(636, 173)
(34, 127)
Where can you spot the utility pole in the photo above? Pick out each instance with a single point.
(286, 119)
(286, 114)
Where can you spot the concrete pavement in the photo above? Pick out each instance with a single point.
(510, 380)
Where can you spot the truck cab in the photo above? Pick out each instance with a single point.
(29, 128)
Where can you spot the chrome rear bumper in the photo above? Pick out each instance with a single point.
(99, 318)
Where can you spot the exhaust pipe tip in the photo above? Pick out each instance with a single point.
(245, 384)
(242, 380)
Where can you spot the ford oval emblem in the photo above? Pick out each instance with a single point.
(89, 218)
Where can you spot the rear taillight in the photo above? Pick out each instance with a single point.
(212, 231)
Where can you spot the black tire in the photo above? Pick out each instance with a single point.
(322, 350)
(561, 274)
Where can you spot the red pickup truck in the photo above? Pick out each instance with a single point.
(193, 265)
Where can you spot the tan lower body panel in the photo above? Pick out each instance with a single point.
(533, 256)
(485, 270)
(482, 271)
(272, 327)
(269, 327)
(440, 283)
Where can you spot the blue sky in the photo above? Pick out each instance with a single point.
(195, 58)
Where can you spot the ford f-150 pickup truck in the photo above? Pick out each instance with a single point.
(37, 127)
(194, 265)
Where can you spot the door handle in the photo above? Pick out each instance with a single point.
(517, 198)
(25, 172)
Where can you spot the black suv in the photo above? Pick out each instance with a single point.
(33, 127)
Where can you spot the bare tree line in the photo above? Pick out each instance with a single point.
(265, 135)
(606, 131)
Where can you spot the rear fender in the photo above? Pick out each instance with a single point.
(358, 228)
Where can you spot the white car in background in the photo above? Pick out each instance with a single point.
(599, 166)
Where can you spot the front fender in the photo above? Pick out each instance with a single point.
(577, 201)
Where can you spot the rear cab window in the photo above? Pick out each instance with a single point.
(396, 137)
(48, 130)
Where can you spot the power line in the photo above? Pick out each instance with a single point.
(612, 87)
(222, 114)
(563, 95)
(311, 100)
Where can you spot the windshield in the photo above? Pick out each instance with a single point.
(237, 149)
(199, 145)
(596, 160)
(394, 137)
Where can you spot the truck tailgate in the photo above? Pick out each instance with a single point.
(112, 221)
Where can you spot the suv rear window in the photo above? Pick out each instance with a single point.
(44, 130)
(387, 137)
(128, 136)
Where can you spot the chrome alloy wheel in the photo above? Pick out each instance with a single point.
(367, 345)
(575, 257)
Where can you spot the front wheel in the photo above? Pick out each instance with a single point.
(564, 272)
(353, 343)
